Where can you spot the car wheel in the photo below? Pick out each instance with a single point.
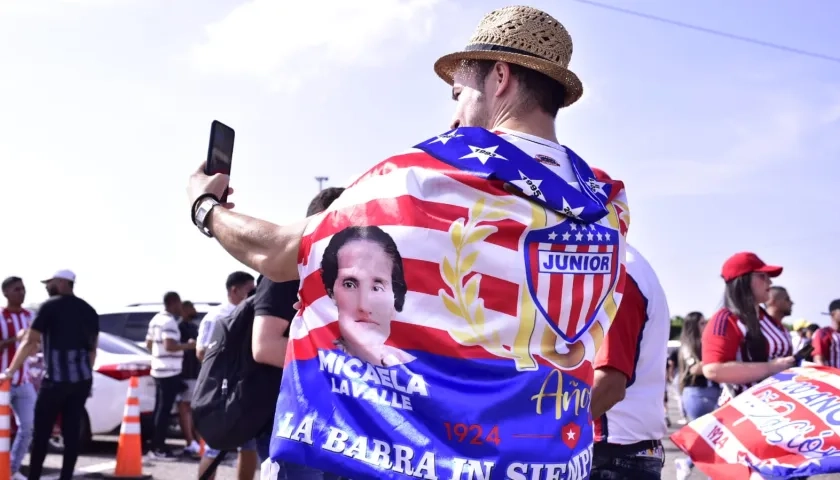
(56, 442)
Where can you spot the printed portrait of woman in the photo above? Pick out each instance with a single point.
(363, 273)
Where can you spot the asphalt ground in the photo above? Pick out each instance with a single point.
(99, 458)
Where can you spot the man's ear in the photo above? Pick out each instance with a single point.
(501, 76)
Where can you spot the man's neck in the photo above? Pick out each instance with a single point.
(14, 308)
(774, 314)
(542, 126)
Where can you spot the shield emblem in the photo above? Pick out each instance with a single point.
(571, 267)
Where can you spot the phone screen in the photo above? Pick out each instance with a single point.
(220, 152)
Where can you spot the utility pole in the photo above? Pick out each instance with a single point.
(321, 181)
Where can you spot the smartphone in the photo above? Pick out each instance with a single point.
(220, 152)
(803, 352)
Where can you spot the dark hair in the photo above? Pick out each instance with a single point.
(542, 91)
(170, 297)
(329, 263)
(237, 279)
(776, 289)
(812, 327)
(187, 303)
(323, 200)
(8, 282)
(690, 338)
(739, 299)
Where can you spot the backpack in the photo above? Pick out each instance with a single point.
(234, 397)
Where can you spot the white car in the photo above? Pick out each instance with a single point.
(132, 321)
(117, 360)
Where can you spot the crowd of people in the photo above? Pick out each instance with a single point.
(511, 81)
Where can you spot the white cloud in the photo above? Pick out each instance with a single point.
(285, 42)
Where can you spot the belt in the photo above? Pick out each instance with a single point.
(615, 450)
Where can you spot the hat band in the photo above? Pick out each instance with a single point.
(489, 47)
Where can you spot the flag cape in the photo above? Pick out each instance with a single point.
(452, 300)
(787, 426)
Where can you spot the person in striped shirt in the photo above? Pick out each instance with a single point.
(743, 344)
(13, 325)
(826, 341)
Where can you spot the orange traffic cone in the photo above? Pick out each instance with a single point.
(130, 448)
(5, 432)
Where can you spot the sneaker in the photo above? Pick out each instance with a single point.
(162, 456)
(682, 468)
(193, 448)
(19, 476)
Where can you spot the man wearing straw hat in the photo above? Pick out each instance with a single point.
(540, 320)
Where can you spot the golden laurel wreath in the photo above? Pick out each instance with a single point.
(464, 302)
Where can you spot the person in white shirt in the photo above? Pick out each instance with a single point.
(163, 339)
(239, 286)
(627, 400)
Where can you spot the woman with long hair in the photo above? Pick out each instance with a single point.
(742, 344)
(699, 395)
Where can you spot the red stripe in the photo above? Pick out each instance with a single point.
(406, 211)
(751, 437)
(424, 277)
(705, 458)
(408, 337)
(426, 161)
(555, 290)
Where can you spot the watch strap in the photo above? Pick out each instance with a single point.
(201, 209)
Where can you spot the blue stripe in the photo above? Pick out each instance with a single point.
(720, 322)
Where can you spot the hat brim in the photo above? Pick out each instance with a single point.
(771, 270)
(446, 66)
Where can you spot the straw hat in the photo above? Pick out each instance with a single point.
(523, 36)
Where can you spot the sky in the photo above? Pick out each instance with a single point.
(105, 109)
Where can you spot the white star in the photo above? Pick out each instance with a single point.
(445, 137)
(569, 211)
(607, 236)
(529, 187)
(483, 154)
(552, 236)
(570, 435)
(596, 186)
(567, 235)
(573, 226)
(578, 236)
(589, 236)
(600, 237)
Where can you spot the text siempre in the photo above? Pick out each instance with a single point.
(380, 385)
(424, 464)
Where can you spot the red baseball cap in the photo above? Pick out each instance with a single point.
(743, 263)
(600, 175)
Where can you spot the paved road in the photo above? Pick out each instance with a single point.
(100, 458)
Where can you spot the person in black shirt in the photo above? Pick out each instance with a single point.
(189, 373)
(274, 308)
(69, 329)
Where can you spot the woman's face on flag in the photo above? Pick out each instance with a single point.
(761, 283)
(364, 294)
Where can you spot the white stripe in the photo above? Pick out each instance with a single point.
(130, 428)
(132, 392)
(5, 422)
(4, 398)
(5, 443)
(729, 453)
(493, 260)
(96, 468)
(131, 411)
(418, 182)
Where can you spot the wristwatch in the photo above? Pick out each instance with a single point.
(202, 210)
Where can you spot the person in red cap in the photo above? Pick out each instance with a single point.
(742, 344)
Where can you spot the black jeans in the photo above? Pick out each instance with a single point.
(54, 398)
(167, 390)
(615, 465)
